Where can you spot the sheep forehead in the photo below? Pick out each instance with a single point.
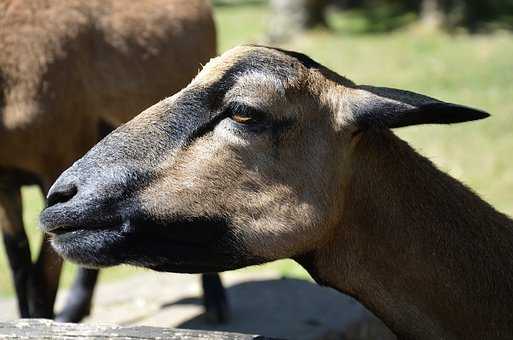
(218, 66)
(257, 89)
(243, 61)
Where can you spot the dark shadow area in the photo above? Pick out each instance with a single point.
(372, 18)
(380, 16)
(185, 301)
(2, 102)
(384, 19)
(286, 308)
(239, 3)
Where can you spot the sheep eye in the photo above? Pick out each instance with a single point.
(245, 115)
(242, 118)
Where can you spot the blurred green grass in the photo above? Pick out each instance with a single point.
(476, 70)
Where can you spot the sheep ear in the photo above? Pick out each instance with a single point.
(391, 108)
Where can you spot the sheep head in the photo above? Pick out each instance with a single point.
(247, 164)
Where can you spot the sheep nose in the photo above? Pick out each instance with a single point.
(61, 193)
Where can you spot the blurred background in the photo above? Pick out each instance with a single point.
(455, 50)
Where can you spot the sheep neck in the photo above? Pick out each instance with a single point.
(418, 248)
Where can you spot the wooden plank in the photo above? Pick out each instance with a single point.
(48, 329)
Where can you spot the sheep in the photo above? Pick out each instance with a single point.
(69, 70)
(266, 155)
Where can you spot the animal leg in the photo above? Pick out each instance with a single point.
(16, 242)
(78, 302)
(46, 272)
(214, 298)
(45, 281)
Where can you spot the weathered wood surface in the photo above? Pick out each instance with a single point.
(47, 329)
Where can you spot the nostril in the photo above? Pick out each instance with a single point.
(61, 194)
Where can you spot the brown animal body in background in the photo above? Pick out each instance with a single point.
(68, 69)
(283, 158)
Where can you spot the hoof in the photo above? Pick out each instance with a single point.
(73, 313)
(218, 313)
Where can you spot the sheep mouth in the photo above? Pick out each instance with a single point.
(108, 248)
(62, 230)
(189, 245)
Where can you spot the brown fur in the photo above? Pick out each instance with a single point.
(423, 251)
(67, 65)
(324, 181)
